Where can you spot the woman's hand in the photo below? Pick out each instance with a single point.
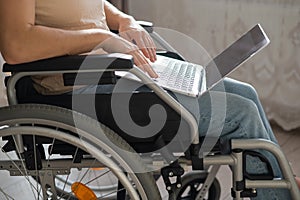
(130, 30)
(134, 38)
(118, 44)
(141, 61)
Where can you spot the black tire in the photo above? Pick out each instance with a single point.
(55, 117)
(191, 182)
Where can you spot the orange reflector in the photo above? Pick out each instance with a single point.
(97, 168)
(82, 192)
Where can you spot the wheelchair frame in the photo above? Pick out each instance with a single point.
(242, 187)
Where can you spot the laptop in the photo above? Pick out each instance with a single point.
(192, 79)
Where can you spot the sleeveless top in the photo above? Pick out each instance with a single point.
(68, 15)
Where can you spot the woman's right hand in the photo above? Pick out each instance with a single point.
(116, 44)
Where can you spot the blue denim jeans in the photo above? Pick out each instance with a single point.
(245, 118)
(230, 110)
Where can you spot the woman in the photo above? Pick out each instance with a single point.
(38, 29)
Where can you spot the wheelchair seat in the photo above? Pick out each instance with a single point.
(27, 94)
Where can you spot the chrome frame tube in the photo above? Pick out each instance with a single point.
(237, 173)
(208, 181)
(218, 160)
(266, 184)
(251, 144)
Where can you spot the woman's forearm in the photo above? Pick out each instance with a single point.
(115, 17)
(39, 42)
(23, 41)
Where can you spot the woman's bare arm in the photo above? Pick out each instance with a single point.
(22, 41)
(115, 17)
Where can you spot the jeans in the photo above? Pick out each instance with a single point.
(245, 118)
(230, 110)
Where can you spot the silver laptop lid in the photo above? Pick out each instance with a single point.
(234, 55)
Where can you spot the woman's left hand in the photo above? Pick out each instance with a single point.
(130, 30)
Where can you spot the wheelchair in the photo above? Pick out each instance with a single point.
(65, 154)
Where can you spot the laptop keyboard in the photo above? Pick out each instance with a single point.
(179, 75)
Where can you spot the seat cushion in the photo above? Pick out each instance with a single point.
(139, 106)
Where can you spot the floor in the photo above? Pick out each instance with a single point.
(290, 143)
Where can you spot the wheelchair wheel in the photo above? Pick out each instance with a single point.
(67, 160)
(191, 185)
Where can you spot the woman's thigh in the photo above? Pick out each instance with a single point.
(230, 115)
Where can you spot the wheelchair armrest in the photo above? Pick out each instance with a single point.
(111, 62)
(148, 26)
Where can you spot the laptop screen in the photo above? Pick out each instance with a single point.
(237, 53)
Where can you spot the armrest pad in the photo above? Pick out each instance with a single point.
(148, 26)
(74, 62)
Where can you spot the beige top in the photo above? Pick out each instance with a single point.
(69, 15)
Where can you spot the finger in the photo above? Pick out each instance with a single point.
(138, 62)
(148, 68)
(146, 52)
(143, 63)
(151, 71)
(143, 41)
(143, 46)
(148, 48)
(151, 48)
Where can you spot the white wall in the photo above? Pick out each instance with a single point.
(275, 71)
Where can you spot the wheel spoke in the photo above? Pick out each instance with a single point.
(58, 124)
(33, 188)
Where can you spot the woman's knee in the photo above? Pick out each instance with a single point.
(233, 106)
(240, 105)
(240, 88)
(249, 91)
(234, 112)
